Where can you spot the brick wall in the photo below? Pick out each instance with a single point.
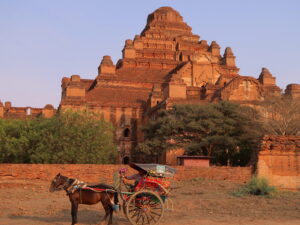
(196, 162)
(279, 161)
(103, 173)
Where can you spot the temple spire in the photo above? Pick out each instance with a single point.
(106, 66)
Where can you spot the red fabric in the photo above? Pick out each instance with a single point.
(151, 183)
(95, 189)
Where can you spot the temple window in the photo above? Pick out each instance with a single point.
(126, 132)
(247, 85)
(180, 57)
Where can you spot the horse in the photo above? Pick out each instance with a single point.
(80, 193)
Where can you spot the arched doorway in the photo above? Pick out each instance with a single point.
(126, 160)
(126, 132)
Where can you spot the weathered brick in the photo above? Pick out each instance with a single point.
(95, 173)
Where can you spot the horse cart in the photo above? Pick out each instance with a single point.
(143, 203)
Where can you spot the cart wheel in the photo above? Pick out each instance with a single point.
(144, 207)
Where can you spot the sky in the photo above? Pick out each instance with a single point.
(42, 41)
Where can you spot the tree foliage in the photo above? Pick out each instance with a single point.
(69, 137)
(281, 115)
(224, 130)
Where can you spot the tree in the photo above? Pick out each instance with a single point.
(281, 115)
(68, 137)
(13, 142)
(223, 130)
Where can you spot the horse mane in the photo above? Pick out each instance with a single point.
(65, 179)
(100, 186)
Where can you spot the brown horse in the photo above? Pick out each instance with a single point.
(78, 195)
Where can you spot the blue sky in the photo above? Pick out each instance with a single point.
(42, 41)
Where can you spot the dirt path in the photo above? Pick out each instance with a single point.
(198, 202)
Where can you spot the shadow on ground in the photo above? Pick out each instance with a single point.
(64, 216)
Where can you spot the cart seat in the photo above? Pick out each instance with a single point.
(152, 184)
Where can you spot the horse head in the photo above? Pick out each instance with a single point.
(58, 183)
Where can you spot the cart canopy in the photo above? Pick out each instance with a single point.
(154, 170)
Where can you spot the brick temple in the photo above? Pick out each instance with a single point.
(165, 65)
(8, 111)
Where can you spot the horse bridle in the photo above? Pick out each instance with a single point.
(61, 186)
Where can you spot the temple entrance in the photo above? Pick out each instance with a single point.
(126, 132)
(126, 160)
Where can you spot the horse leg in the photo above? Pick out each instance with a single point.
(74, 212)
(108, 211)
(111, 211)
(105, 216)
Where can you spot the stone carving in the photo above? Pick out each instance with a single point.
(202, 58)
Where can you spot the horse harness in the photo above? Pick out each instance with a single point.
(78, 185)
(74, 186)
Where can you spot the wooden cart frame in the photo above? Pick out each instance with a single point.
(145, 203)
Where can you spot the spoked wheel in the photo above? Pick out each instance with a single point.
(144, 208)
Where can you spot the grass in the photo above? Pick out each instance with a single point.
(213, 199)
(256, 186)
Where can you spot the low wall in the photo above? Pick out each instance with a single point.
(94, 173)
(279, 161)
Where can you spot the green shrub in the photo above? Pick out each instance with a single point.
(256, 186)
(68, 137)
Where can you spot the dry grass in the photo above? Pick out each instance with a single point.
(197, 201)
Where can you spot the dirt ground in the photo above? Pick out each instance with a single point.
(196, 202)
